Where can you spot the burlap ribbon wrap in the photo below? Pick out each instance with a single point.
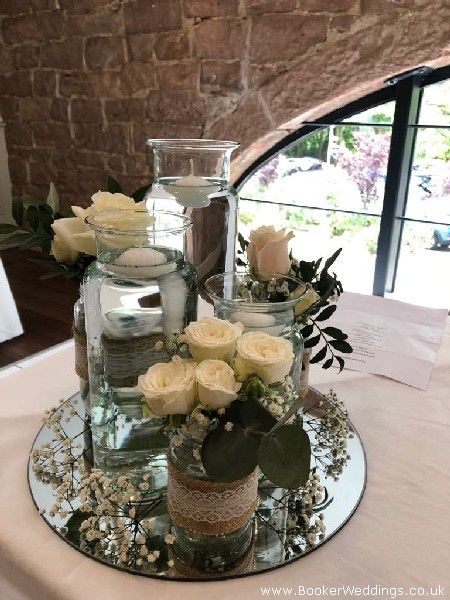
(304, 377)
(125, 359)
(81, 361)
(209, 507)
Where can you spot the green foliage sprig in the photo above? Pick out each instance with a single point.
(248, 435)
(33, 229)
(329, 288)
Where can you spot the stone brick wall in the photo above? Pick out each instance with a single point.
(83, 83)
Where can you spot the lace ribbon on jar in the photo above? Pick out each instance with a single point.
(209, 507)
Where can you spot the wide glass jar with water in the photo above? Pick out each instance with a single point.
(192, 177)
(212, 522)
(141, 295)
(268, 307)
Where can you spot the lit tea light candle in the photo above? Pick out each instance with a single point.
(254, 321)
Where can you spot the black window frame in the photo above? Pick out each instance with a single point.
(406, 90)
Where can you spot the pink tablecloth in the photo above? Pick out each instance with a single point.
(399, 536)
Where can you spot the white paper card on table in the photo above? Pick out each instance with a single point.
(389, 337)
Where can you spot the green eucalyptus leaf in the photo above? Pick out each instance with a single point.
(335, 333)
(33, 217)
(6, 228)
(17, 211)
(312, 341)
(53, 198)
(341, 362)
(242, 242)
(307, 270)
(331, 260)
(307, 330)
(229, 455)
(18, 237)
(341, 346)
(113, 186)
(139, 194)
(326, 313)
(327, 364)
(240, 262)
(254, 416)
(319, 356)
(285, 456)
(45, 218)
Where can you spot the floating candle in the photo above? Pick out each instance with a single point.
(191, 181)
(142, 262)
(254, 321)
(141, 257)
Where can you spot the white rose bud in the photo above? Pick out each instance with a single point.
(62, 252)
(212, 338)
(73, 234)
(217, 387)
(169, 388)
(264, 355)
(102, 201)
(308, 299)
(268, 251)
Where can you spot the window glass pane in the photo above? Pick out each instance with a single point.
(435, 106)
(429, 186)
(423, 271)
(342, 166)
(319, 233)
(377, 114)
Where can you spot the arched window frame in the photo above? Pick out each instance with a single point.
(406, 90)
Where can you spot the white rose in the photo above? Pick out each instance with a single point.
(62, 252)
(102, 201)
(169, 388)
(268, 251)
(309, 298)
(217, 387)
(73, 234)
(212, 338)
(264, 355)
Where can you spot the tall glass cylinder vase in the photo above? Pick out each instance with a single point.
(193, 177)
(212, 522)
(141, 295)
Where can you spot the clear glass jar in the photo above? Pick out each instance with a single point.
(228, 292)
(81, 369)
(193, 177)
(141, 293)
(205, 539)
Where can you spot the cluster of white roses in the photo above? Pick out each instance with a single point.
(73, 236)
(222, 358)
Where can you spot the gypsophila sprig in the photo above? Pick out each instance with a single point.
(107, 516)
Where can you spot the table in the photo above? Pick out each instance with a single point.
(399, 535)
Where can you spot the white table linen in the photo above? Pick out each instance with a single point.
(399, 535)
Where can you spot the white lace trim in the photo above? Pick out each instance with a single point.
(212, 506)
